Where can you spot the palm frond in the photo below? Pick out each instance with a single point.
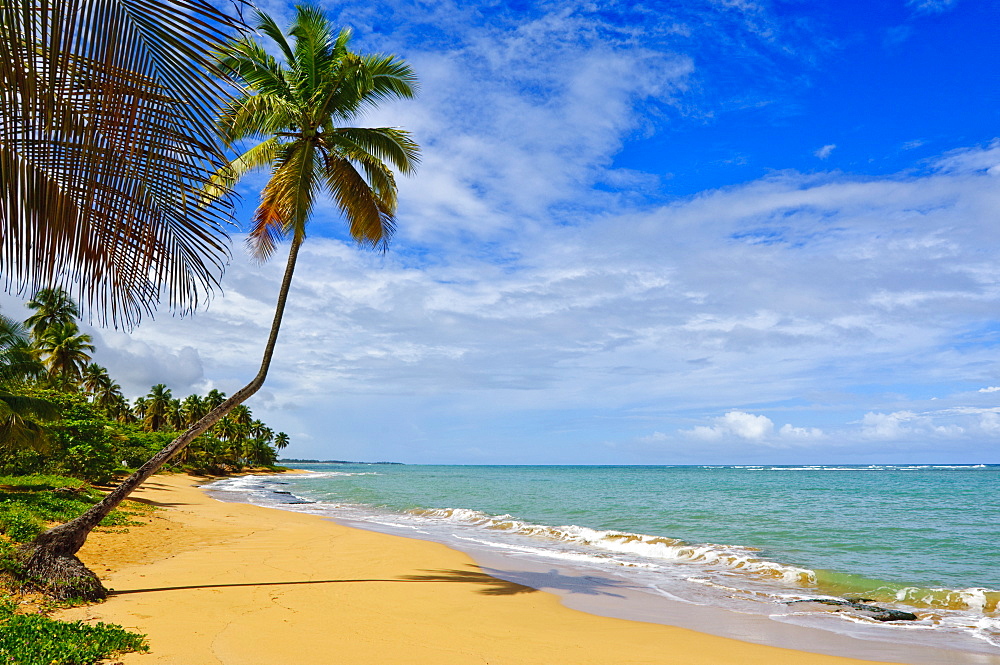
(287, 200)
(385, 143)
(370, 221)
(260, 156)
(105, 135)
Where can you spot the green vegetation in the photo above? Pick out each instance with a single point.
(34, 639)
(27, 505)
(66, 416)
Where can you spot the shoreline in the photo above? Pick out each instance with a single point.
(237, 584)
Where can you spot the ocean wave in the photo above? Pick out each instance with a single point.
(974, 600)
(733, 557)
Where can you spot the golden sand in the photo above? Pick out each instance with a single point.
(233, 584)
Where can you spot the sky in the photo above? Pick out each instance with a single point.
(709, 232)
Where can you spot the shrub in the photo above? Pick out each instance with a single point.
(18, 522)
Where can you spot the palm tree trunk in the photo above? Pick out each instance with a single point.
(49, 561)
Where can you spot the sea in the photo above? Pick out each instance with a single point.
(741, 551)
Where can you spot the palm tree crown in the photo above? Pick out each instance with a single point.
(65, 352)
(300, 108)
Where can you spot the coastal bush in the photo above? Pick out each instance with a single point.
(33, 639)
(24, 514)
(18, 522)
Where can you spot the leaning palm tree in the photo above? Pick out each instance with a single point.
(106, 110)
(300, 109)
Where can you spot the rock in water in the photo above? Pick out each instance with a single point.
(857, 607)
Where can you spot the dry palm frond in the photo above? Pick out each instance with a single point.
(106, 137)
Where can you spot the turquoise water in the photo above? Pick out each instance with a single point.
(921, 537)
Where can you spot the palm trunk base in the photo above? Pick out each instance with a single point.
(49, 564)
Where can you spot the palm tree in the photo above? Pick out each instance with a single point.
(259, 430)
(52, 307)
(193, 408)
(95, 379)
(105, 129)
(157, 408)
(301, 106)
(65, 351)
(119, 408)
(241, 415)
(214, 399)
(140, 408)
(280, 441)
(258, 453)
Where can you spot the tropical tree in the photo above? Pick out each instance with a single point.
(95, 379)
(119, 409)
(258, 453)
(20, 415)
(242, 415)
(300, 108)
(157, 408)
(193, 408)
(280, 441)
(106, 115)
(214, 399)
(140, 408)
(65, 351)
(175, 417)
(52, 307)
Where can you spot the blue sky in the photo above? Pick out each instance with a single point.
(730, 232)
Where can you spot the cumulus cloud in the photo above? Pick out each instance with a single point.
(917, 426)
(751, 427)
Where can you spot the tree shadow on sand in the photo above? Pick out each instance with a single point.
(494, 582)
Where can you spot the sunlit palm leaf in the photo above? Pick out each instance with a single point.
(105, 138)
(371, 221)
(384, 143)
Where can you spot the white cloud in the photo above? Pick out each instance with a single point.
(887, 425)
(825, 151)
(747, 426)
(991, 389)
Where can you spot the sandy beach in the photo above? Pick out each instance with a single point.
(233, 584)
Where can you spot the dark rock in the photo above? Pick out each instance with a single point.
(858, 606)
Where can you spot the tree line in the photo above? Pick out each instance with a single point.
(62, 413)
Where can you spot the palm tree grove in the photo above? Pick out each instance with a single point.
(112, 210)
(65, 415)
